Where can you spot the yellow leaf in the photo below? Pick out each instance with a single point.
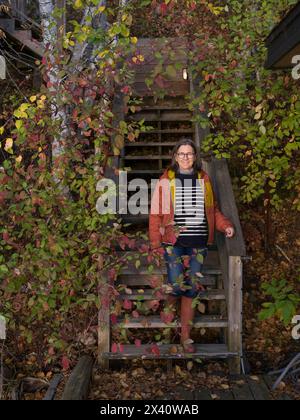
(101, 9)
(19, 159)
(43, 98)
(1, 130)
(78, 4)
(19, 124)
(134, 40)
(32, 98)
(8, 144)
(24, 107)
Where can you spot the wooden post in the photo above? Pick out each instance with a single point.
(104, 324)
(235, 307)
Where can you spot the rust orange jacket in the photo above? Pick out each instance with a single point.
(161, 221)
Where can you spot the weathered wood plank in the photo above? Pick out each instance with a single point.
(235, 304)
(236, 245)
(170, 351)
(203, 321)
(259, 389)
(104, 325)
(149, 295)
(157, 280)
(241, 390)
(78, 384)
(164, 116)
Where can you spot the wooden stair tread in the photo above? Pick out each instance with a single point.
(145, 171)
(147, 157)
(166, 351)
(171, 131)
(163, 270)
(145, 322)
(148, 295)
(151, 144)
(165, 116)
(149, 280)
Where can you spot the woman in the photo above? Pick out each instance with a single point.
(183, 218)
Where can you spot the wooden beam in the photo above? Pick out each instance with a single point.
(235, 308)
(103, 325)
(224, 192)
(78, 384)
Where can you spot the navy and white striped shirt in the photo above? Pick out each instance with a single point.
(190, 211)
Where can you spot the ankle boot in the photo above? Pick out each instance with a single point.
(187, 317)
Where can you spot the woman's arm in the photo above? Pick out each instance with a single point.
(223, 224)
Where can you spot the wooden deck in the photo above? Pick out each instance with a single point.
(240, 388)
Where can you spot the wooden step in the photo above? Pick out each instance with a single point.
(170, 131)
(203, 321)
(212, 271)
(149, 280)
(164, 116)
(145, 171)
(168, 351)
(148, 157)
(149, 295)
(152, 144)
(212, 259)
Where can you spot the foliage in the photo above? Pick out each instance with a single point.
(56, 250)
(286, 301)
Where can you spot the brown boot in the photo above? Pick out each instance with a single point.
(187, 317)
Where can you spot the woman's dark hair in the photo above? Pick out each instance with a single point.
(185, 142)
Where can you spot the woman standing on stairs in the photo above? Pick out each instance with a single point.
(184, 215)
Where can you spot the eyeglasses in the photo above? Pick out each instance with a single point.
(189, 155)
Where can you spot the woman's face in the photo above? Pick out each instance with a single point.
(185, 157)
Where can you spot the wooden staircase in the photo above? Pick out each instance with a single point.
(170, 119)
(21, 29)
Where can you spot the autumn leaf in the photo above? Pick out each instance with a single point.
(127, 304)
(137, 343)
(8, 145)
(65, 362)
(114, 348)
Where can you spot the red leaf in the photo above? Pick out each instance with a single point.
(5, 236)
(155, 349)
(186, 262)
(167, 318)
(163, 8)
(126, 90)
(127, 304)
(113, 319)
(114, 348)
(65, 362)
(137, 343)
(112, 274)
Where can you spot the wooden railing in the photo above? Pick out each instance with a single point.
(231, 251)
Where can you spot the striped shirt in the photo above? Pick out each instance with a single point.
(190, 214)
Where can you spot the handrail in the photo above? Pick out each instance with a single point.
(219, 174)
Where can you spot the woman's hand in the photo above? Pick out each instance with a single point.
(230, 232)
